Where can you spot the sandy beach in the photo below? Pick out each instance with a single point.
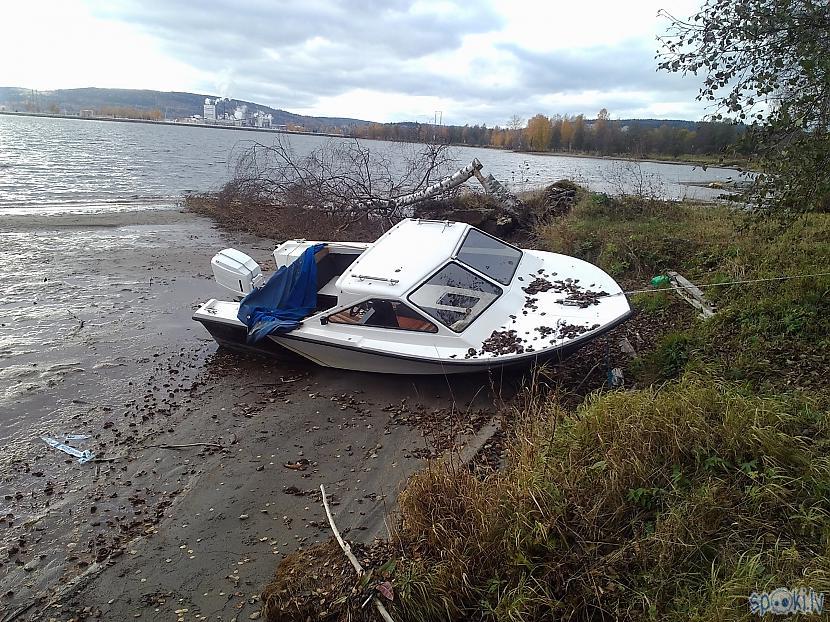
(208, 463)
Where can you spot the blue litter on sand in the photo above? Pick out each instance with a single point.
(82, 456)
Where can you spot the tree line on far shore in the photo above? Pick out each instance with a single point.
(576, 134)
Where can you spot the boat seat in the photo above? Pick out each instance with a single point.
(343, 317)
(411, 323)
(331, 265)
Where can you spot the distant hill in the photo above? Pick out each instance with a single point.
(172, 105)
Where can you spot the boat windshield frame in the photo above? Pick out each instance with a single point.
(458, 250)
(488, 298)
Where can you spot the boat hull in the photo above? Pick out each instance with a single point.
(289, 346)
(236, 338)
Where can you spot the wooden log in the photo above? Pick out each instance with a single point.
(509, 202)
(689, 292)
(448, 183)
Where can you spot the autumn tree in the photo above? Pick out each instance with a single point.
(567, 133)
(538, 133)
(516, 122)
(556, 133)
(578, 139)
(602, 131)
(767, 63)
(516, 128)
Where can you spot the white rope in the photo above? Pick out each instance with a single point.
(704, 286)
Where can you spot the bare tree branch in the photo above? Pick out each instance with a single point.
(338, 177)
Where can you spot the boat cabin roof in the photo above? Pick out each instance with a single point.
(414, 249)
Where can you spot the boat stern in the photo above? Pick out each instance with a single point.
(219, 318)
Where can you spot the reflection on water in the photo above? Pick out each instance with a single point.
(64, 165)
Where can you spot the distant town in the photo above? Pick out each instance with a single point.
(166, 107)
(215, 112)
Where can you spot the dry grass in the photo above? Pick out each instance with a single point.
(676, 501)
(238, 213)
(656, 504)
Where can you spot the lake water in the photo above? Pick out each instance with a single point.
(68, 165)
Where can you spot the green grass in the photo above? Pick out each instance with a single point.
(669, 504)
(651, 302)
(638, 239)
(673, 502)
(668, 360)
(769, 334)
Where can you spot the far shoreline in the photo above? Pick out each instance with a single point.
(57, 115)
(50, 115)
(652, 160)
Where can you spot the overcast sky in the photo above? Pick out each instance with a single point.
(395, 60)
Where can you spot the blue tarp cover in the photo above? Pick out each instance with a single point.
(281, 304)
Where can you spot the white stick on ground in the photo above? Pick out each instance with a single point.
(348, 551)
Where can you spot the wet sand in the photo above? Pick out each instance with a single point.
(96, 339)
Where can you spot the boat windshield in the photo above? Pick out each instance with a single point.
(455, 296)
(490, 256)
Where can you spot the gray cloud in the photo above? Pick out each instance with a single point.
(393, 27)
(393, 30)
(290, 54)
(629, 66)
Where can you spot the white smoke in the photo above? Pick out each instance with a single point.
(240, 111)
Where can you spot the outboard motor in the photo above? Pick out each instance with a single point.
(236, 271)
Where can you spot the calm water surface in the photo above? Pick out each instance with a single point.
(67, 165)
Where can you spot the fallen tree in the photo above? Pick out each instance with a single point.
(343, 178)
(344, 190)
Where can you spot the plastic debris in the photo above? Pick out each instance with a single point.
(82, 456)
(75, 437)
(691, 293)
(661, 280)
(626, 347)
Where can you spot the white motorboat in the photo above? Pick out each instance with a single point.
(428, 297)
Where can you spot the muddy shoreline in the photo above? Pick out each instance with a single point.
(152, 530)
